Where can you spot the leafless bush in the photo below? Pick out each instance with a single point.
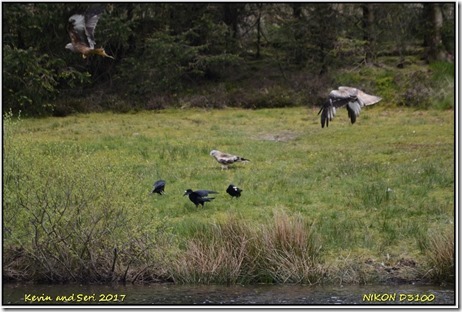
(64, 221)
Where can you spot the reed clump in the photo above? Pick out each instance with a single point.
(283, 251)
(222, 255)
(291, 250)
(441, 255)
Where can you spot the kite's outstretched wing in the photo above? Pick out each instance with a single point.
(354, 99)
(92, 16)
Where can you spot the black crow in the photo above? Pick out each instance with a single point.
(204, 193)
(234, 191)
(353, 98)
(199, 197)
(158, 187)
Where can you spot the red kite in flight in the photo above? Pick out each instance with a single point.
(81, 29)
(353, 98)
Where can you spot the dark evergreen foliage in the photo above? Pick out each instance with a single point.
(200, 49)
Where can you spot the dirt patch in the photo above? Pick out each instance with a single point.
(278, 137)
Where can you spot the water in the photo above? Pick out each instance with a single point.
(168, 294)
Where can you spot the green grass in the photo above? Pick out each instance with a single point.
(373, 190)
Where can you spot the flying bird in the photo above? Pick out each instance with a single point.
(199, 197)
(158, 187)
(81, 29)
(353, 98)
(226, 159)
(234, 191)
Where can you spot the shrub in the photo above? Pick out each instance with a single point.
(417, 90)
(65, 214)
(416, 86)
(31, 80)
(443, 74)
(171, 63)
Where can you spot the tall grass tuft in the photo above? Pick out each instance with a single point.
(291, 250)
(441, 255)
(223, 255)
(286, 251)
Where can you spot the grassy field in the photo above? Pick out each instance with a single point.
(362, 203)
